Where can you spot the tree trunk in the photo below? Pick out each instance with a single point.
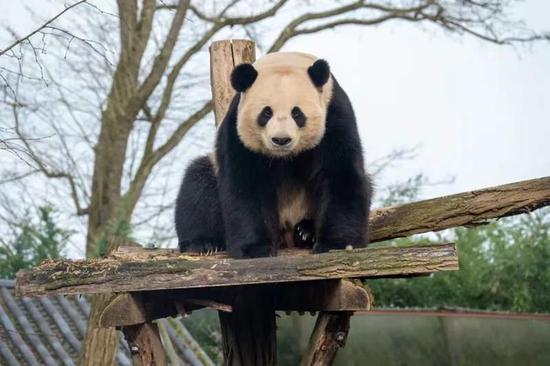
(107, 212)
(106, 209)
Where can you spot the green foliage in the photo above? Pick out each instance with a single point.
(33, 242)
(120, 228)
(205, 328)
(503, 266)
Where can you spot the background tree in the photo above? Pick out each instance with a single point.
(112, 98)
(31, 242)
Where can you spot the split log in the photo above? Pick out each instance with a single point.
(113, 275)
(462, 209)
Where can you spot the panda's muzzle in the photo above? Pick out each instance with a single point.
(281, 141)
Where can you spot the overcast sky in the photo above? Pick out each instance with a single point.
(478, 112)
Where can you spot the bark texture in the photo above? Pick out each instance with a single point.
(145, 345)
(462, 209)
(224, 56)
(329, 335)
(112, 275)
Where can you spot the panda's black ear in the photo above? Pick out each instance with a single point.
(243, 76)
(319, 73)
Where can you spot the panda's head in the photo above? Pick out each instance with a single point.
(283, 104)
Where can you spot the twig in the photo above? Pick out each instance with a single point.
(42, 27)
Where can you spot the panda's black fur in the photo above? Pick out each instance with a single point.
(199, 222)
(230, 202)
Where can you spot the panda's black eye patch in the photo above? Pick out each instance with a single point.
(298, 116)
(264, 116)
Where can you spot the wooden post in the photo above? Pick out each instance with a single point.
(145, 344)
(328, 336)
(249, 331)
(224, 56)
(331, 331)
(127, 312)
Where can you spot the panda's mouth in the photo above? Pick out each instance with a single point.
(282, 149)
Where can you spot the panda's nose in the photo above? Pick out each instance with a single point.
(281, 141)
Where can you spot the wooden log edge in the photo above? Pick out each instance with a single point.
(113, 275)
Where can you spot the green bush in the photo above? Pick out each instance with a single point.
(503, 266)
(33, 241)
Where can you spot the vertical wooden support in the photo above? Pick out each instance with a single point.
(248, 332)
(224, 56)
(329, 335)
(145, 344)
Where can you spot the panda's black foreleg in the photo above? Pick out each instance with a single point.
(198, 214)
(249, 219)
(343, 215)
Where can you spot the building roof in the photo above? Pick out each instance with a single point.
(49, 330)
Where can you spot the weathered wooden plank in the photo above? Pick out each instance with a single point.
(224, 56)
(313, 296)
(462, 209)
(114, 275)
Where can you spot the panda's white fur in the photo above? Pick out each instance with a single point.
(294, 204)
(283, 83)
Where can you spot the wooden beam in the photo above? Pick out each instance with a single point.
(330, 295)
(224, 56)
(113, 275)
(462, 209)
(123, 310)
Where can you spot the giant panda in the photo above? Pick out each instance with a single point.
(287, 169)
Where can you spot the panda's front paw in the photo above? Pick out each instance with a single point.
(202, 246)
(304, 234)
(323, 248)
(253, 251)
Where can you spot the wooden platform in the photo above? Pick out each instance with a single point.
(132, 270)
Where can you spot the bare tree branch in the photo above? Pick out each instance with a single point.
(28, 36)
(162, 59)
(153, 157)
(48, 172)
